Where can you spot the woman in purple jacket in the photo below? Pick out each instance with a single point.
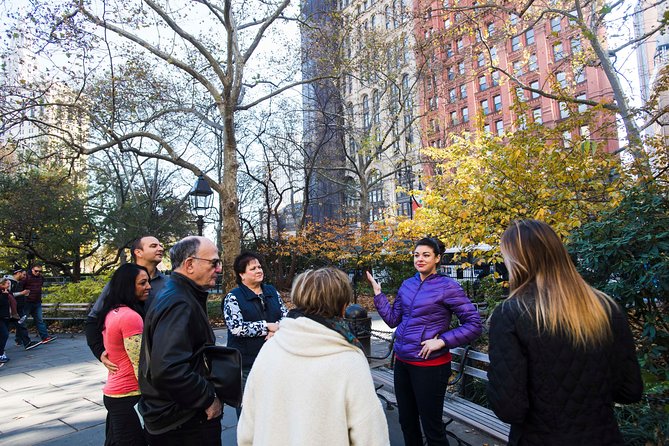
(422, 314)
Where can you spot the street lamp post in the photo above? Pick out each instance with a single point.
(200, 198)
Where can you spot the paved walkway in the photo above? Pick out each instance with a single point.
(52, 395)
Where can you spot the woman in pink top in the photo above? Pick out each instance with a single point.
(122, 324)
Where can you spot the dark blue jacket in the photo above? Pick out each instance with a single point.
(422, 310)
(254, 309)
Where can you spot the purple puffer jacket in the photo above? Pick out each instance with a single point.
(422, 310)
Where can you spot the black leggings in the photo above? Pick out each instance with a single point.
(420, 395)
(124, 423)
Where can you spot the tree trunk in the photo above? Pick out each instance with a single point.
(229, 201)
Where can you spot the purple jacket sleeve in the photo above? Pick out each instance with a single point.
(391, 315)
(470, 321)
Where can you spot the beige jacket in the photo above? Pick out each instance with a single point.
(309, 386)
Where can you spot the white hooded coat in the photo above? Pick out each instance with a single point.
(309, 386)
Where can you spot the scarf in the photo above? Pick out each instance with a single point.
(337, 324)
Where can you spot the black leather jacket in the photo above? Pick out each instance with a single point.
(171, 376)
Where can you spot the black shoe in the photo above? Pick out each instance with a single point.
(31, 345)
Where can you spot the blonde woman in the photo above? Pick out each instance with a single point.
(561, 352)
(310, 384)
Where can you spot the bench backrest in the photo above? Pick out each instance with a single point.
(462, 360)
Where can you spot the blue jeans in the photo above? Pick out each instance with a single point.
(34, 309)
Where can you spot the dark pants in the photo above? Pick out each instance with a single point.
(123, 421)
(245, 374)
(420, 395)
(195, 432)
(4, 334)
(22, 336)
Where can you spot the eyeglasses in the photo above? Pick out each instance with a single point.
(215, 263)
(37, 271)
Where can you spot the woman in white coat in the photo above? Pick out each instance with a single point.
(311, 383)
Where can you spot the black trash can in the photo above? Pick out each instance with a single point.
(361, 326)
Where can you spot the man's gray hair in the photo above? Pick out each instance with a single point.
(184, 248)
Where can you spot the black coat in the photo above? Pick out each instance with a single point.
(171, 375)
(552, 393)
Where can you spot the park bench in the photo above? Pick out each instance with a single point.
(455, 406)
(65, 311)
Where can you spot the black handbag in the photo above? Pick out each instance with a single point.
(223, 367)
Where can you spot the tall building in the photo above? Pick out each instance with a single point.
(652, 58)
(470, 50)
(366, 132)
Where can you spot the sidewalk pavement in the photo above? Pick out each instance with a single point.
(52, 396)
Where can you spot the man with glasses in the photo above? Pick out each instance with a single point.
(34, 282)
(178, 404)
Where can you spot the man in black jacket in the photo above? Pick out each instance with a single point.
(178, 404)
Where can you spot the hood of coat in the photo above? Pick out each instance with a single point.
(305, 337)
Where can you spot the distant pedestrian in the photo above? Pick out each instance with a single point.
(34, 282)
(22, 336)
(311, 384)
(4, 317)
(252, 310)
(561, 352)
(422, 312)
(121, 324)
(179, 405)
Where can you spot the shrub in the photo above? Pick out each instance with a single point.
(87, 290)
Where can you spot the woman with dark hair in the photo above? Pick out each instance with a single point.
(121, 324)
(561, 352)
(422, 313)
(311, 384)
(252, 310)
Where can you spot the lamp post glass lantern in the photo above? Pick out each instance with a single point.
(200, 198)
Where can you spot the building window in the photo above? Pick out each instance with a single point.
(513, 18)
(561, 78)
(484, 107)
(454, 118)
(452, 96)
(483, 83)
(499, 127)
(365, 113)
(564, 110)
(491, 29)
(461, 68)
(463, 91)
(529, 36)
(459, 44)
(465, 114)
(566, 138)
(515, 43)
(480, 59)
(518, 68)
(493, 54)
(451, 73)
(520, 94)
(584, 132)
(388, 17)
(582, 107)
(579, 75)
(449, 50)
(533, 63)
(535, 85)
(376, 108)
(497, 102)
(576, 46)
(486, 129)
(447, 23)
(536, 115)
(558, 52)
(555, 24)
(495, 78)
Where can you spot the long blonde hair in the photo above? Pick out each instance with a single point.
(540, 266)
